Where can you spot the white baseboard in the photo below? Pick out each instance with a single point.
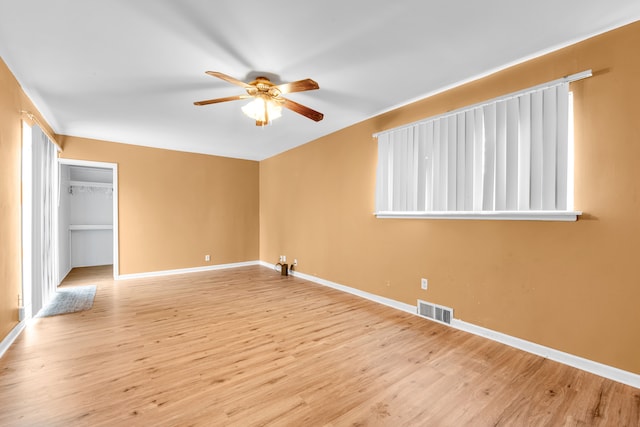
(11, 337)
(373, 297)
(581, 363)
(186, 270)
(606, 371)
(64, 276)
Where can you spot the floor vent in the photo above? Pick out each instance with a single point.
(435, 312)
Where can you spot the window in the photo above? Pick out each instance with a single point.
(507, 158)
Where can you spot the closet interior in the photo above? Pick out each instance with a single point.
(85, 217)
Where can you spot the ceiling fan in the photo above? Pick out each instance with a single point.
(268, 100)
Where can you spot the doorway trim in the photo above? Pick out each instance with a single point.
(116, 227)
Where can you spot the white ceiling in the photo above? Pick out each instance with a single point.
(129, 70)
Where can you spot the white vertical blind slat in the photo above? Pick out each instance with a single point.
(383, 174)
(468, 160)
(400, 169)
(501, 156)
(489, 157)
(549, 147)
(524, 153)
(394, 182)
(396, 153)
(416, 168)
(571, 154)
(421, 179)
(536, 151)
(429, 156)
(461, 160)
(511, 155)
(444, 165)
(438, 182)
(391, 174)
(562, 162)
(407, 164)
(452, 159)
(406, 172)
(478, 159)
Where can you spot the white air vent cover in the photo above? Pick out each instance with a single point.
(435, 312)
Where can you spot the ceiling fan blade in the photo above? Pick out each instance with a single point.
(217, 100)
(301, 109)
(229, 79)
(299, 86)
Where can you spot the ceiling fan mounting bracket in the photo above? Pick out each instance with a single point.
(263, 87)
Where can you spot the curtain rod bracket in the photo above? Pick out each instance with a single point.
(32, 117)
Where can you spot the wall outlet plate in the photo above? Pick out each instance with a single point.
(207, 258)
(424, 283)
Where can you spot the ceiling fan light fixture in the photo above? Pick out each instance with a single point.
(262, 110)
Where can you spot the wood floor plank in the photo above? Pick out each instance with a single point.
(248, 347)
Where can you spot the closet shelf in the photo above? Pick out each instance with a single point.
(76, 227)
(90, 184)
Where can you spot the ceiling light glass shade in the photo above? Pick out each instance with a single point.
(262, 110)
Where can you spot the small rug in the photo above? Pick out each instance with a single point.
(70, 300)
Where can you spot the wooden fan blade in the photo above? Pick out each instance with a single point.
(217, 100)
(299, 86)
(229, 79)
(301, 109)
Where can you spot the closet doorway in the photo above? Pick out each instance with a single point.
(87, 215)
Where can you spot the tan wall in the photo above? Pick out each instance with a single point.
(175, 207)
(12, 101)
(570, 286)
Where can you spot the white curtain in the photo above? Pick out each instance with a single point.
(508, 154)
(44, 219)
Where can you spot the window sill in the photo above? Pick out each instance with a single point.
(493, 215)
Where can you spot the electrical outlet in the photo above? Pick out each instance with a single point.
(424, 283)
(295, 261)
(284, 258)
(207, 258)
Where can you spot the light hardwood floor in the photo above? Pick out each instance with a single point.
(249, 347)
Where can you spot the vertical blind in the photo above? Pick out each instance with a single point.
(510, 154)
(44, 274)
